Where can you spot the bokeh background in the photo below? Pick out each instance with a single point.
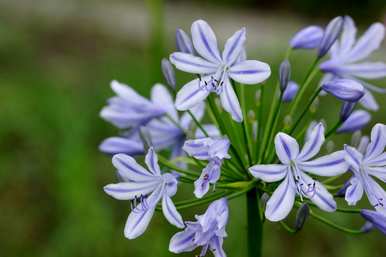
(56, 61)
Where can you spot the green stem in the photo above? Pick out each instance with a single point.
(255, 226)
(336, 226)
(287, 227)
(309, 103)
(333, 129)
(307, 80)
(198, 123)
(260, 113)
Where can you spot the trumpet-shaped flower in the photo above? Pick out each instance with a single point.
(307, 38)
(216, 70)
(128, 109)
(372, 163)
(207, 232)
(348, 55)
(213, 150)
(292, 172)
(145, 188)
(165, 131)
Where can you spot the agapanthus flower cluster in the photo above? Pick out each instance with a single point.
(244, 148)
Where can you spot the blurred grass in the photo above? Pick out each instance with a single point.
(53, 82)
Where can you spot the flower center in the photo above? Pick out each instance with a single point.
(305, 186)
(215, 82)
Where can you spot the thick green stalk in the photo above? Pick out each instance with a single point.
(255, 226)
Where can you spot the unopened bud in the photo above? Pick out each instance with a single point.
(168, 72)
(284, 74)
(301, 216)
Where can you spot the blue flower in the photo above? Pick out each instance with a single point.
(372, 163)
(207, 232)
(356, 121)
(308, 38)
(344, 89)
(128, 109)
(167, 130)
(145, 188)
(348, 55)
(292, 172)
(290, 91)
(215, 70)
(376, 218)
(213, 150)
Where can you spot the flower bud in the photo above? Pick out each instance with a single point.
(168, 72)
(284, 74)
(346, 110)
(301, 216)
(183, 42)
(331, 34)
(344, 89)
(378, 219)
(308, 38)
(356, 121)
(115, 145)
(290, 92)
(367, 227)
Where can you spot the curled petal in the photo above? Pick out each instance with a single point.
(281, 201)
(356, 121)
(151, 160)
(313, 143)
(329, 165)
(182, 242)
(115, 145)
(204, 41)
(308, 37)
(368, 101)
(162, 98)
(130, 190)
(269, 173)
(183, 42)
(377, 142)
(137, 222)
(331, 33)
(129, 169)
(234, 46)
(368, 42)
(353, 157)
(170, 212)
(366, 70)
(348, 36)
(230, 102)
(140, 217)
(287, 148)
(323, 199)
(344, 89)
(354, 191)
(250, 72)
(192, 64)
(216, 247)
(190, 95)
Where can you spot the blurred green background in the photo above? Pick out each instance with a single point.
(56, 61)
